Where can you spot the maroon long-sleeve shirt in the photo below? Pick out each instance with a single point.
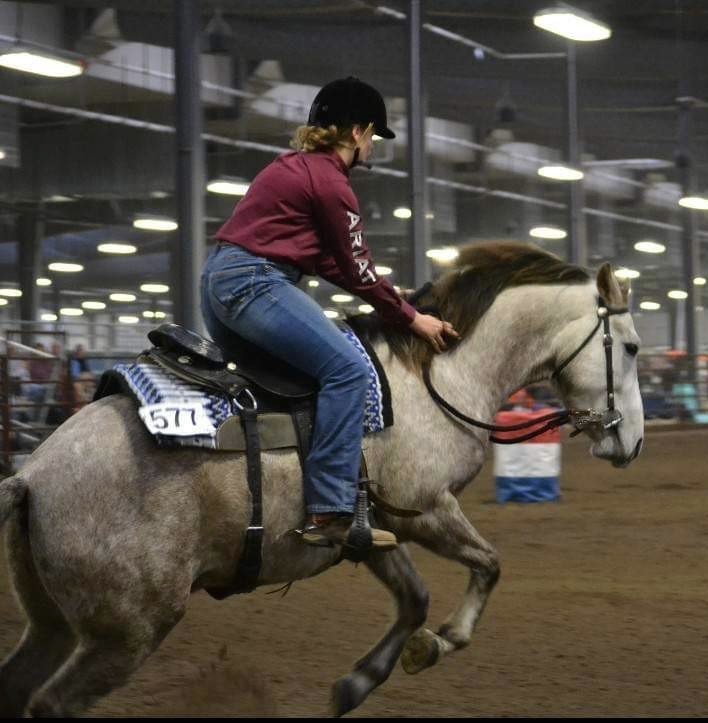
(301, 210)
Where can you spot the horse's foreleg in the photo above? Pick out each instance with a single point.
(396, 571)
(447, 532)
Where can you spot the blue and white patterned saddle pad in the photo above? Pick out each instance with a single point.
(179, 413)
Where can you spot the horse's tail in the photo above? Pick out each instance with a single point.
(13, 492)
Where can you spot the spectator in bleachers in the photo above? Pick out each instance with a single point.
(78, 364)
(40, 372)
(60, 390)
(84, 382)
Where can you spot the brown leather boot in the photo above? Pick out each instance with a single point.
(335, 530)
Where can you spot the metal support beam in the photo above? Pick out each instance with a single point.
(673, 323)
(29, 234)
(416, 148)
(689, 242)
(576, 243)
(188, 251)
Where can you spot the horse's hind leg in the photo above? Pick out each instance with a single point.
(47, 640)
(396, 571)
(96, 667)
(92, 671)
(449, 533)
(38, 655)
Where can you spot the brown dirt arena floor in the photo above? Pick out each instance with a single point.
(601, 611)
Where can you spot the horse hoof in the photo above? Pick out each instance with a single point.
(422, 651)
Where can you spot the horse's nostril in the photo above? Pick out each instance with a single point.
(638, 448)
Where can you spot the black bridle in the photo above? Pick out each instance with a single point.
(580, 418)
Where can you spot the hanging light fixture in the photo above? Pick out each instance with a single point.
(548, 232)
(155, 223)
(571, 23)
(699, 203)
(560, 173)
(228, 186)
(40, 64)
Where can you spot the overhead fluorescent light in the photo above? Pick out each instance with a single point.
(560, 173)
(155, 288)
(624, 273)
(41, 281)
(402, 212)
(71, 311)
(228, 186)
(12, 293)
(548, 232)
(650, 305)
(154, 223)
(313, 283)
(95, 305)
(677, 294)
(64, 266)
(48, 317)
(118, 296)
(149, 314)
(3, 302)
(2, 154)
(697, 202)
(331, 313)
(365, 308)
(29, 62)
(572, 24)
(442, 255)
(650, 247)
(342, 298)
(160, 315)
(699, 281)
(58, 198)
(117, 248)
(383, 270)
(128, 319)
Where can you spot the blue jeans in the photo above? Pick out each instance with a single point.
(258, 299)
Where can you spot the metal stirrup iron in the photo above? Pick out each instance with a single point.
(360, 539)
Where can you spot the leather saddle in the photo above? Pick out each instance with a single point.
(199, 360)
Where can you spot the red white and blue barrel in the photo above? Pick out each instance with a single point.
(528, 471)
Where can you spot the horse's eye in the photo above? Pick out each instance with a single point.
(632, 349)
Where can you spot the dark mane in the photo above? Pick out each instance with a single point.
(464, 294)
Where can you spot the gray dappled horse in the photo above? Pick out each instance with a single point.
(108, 535)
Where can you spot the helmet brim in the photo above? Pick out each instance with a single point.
(385, 133)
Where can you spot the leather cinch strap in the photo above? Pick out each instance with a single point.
(249, 565)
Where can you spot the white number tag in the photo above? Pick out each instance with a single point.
(183, 420)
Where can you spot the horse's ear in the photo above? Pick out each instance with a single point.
(609, 286)
(625, 289)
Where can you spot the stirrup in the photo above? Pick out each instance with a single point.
(359, 539)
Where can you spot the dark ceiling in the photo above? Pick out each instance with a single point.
(628, 87)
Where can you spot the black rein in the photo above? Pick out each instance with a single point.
(563, 416)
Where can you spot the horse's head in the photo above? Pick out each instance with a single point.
(599, 373)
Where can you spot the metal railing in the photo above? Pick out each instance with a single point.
(39, 391)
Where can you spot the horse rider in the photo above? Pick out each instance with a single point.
(300, 216)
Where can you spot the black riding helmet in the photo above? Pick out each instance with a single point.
(347, 101)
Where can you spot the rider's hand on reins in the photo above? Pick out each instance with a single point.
(433, 330)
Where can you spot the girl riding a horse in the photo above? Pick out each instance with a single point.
(300, 215)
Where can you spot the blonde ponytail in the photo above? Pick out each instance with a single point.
(313, 138)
